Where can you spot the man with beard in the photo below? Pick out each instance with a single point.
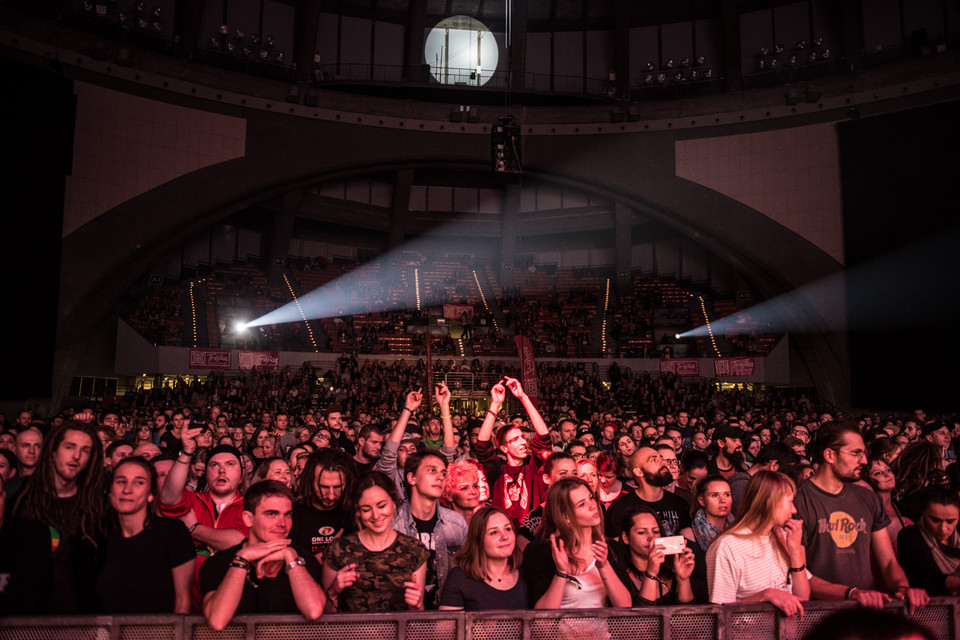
(320, 515)
(651, 475)
(845, 527)
(729, 458)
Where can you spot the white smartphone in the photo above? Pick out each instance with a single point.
(672, 545)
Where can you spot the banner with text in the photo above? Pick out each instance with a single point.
(726, 367)
(456, 311)
(528, 368)
(262, 360)
(680, 366)
(209, 359)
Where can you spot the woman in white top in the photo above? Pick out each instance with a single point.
(567, 566)
(760, 558)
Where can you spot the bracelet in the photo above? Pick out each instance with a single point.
(647, 574)
(407, 410)
(193, 527)
(568, 577)
(797, 569)
(492, 413)
(188, 460)
(296, 562)
(848, 592)
(241, 563)
(445, 417)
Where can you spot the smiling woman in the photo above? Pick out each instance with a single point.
(375, 568)
(159, 548)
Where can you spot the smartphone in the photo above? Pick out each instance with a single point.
(672, 545)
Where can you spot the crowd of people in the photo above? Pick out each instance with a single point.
(242, 495)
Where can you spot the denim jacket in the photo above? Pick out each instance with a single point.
(449, 536)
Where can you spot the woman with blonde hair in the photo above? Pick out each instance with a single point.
(760, 557)
(567, 567)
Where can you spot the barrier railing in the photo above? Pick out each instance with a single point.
(728, 622)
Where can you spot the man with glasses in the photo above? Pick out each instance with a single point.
(845, 526)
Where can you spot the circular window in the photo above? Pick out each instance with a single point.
(461, 50)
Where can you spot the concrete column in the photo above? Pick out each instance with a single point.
(730, 32)
(308, 24)
(622, 215)
(508, 236)
(279, 241)
(401, 207)
(621, 46)
(413, 56)
(518, 44)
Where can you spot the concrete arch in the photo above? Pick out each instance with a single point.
(105, 256)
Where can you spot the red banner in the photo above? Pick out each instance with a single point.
(680, 366)
(263, 360)
(726, 367)
(456, 311)
(209, 359)
(528, 368)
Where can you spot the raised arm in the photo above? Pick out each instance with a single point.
(497, 394)
(442, 394)
(177, 477)
(410, 404)
(535, 418)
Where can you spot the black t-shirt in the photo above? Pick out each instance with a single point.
(474, 595)
(136, 576)
(313, 529)
(170, 443)
(25, 566)
(270, 595)
(673, 510)
(425, 529)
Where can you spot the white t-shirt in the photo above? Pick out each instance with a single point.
(592, 593)
(740, 566)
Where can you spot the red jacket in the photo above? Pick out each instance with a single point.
(231, 516)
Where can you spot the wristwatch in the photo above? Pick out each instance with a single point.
(296, 562)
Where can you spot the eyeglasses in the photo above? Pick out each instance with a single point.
(859, 453)
(671, 463)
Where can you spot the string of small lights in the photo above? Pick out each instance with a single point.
(416, 286)
(483, 299)
(313, 340)
(193, 311)
(603, 328)
(713, 340)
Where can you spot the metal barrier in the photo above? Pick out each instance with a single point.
(728, 622)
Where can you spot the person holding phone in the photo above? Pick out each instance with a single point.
(655, 570)
(760, 557)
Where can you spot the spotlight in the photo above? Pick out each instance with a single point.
(676, 336)
(240, 327)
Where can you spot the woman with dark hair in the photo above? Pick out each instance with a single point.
(760, 557)
(148, 561)
(930, 550)
(262, 445)
(919, 466)
(487, 575)
(375, 568)
(880, 478)
(651, 577)
(568, 567)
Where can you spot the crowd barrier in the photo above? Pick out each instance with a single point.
(728, 622)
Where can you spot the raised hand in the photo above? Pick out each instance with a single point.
(443, 395)
(516, 388)
(414, 398)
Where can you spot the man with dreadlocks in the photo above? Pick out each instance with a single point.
(65, 493)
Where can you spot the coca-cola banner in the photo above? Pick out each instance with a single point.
(456, 311)
(209, 359)
(680, 366)
(528, 368)
(262, 360)
(727, 367)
